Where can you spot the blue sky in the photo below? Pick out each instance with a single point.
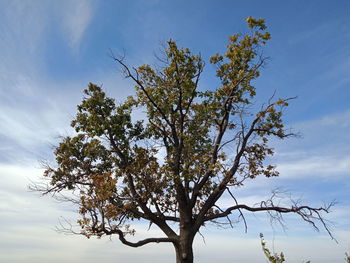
(50, 50)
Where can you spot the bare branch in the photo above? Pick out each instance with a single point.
(141, 242)
(307, 213)
(239, 210)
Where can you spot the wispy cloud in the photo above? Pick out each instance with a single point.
(23, 22)
(318, 166)
(322, 151)
(31, 109)
(337, 121)
(76, 17)
(32, 118)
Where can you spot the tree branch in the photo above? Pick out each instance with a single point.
(141, 242)
(139, 83)
(222, 129)
(307, 213)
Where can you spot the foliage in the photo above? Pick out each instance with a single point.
(193, 147)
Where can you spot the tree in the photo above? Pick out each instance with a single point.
(194, 147)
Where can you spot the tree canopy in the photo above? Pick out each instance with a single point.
(192, 147)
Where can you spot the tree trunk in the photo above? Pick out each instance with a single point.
(184, 250)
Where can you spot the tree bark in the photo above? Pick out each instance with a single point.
(183, 249)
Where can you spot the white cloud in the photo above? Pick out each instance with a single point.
(323, 166)
(322, 151)
(25, 23)
(25, 28)
(32, 117)
(337, 121)
(76, 17)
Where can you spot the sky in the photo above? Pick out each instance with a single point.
(50, 51)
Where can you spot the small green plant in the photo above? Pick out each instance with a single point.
(273, 258)
(279, 258)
